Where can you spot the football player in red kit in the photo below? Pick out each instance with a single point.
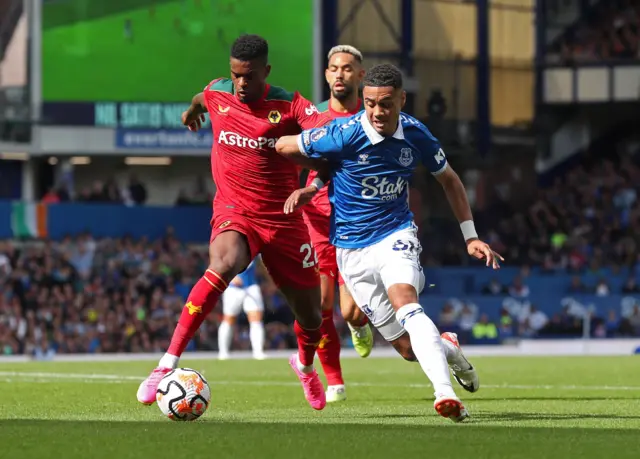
(344, 75)
(253, 182)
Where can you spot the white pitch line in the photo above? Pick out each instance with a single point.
(6, 376)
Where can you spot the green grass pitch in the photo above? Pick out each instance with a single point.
(530, 408)
(87, 56)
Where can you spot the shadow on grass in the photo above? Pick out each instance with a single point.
(26, 439)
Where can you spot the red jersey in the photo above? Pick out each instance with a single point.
(250, 176)
(320, 205)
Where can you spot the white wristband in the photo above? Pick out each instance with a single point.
(468, 230)
(317, 183)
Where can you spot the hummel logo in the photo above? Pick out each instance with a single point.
(363, 159)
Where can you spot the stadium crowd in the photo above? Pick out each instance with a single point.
(131, 192)
(609, 30)
(87, 295)
(587, 220)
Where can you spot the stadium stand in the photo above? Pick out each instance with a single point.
(572, 269)
(606, 30)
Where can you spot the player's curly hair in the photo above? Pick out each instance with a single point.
(382, 75)
(249, 48)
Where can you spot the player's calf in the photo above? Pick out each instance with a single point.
(403, 346)
(329, 347)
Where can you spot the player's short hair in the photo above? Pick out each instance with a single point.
(348, 49)
(382, 75)
(249, 48)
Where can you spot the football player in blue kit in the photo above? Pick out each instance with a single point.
(370, 158)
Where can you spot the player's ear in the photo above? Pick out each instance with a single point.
(404, 98)
(326, 76)
(267, 70)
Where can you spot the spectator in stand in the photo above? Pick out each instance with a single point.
(630, 286)
(506, 324)
(484, 329)
(447, 321)
(495, 287)
(51, 197)
(534, 323)
(518, 289)
(602, 288)
(577, 286)
(137, 190)
(612, 324)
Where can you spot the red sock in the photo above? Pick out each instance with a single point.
(308, 341)
(329, 350)
(201, 301)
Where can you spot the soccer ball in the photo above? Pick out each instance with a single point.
(183, 395)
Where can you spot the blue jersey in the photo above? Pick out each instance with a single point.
(370, 175)
(249, 276)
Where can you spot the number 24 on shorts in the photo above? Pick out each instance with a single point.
(310, 256)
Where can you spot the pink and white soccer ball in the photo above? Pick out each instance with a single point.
(183, 395)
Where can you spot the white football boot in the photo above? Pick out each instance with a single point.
(461, 368)
(450, 407)
(336, 394)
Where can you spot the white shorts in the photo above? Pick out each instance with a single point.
(369, 272)
(236, 299)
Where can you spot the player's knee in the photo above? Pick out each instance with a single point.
(231, 320)
(401, 295)
(309, 317)
(254, 316)
(229, 254)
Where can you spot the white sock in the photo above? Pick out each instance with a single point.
(225, 335)
(169, 361)
(427, 346)
(256, 335)
(306, 369)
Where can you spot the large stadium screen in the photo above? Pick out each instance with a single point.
(127, 56)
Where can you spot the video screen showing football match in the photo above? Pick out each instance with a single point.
(163, 50)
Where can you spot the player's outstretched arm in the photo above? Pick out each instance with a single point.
(193, 117)
(457, 197)
(304, 196)
(289, 147)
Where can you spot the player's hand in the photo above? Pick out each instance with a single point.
(481, 250)
(299, 198)
(193, 121)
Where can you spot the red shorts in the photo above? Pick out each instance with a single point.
(286, 248)
(319, 228)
